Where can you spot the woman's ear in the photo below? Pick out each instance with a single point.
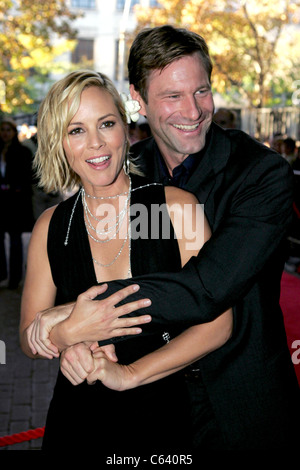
(135, 95)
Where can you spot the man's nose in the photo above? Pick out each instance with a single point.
(191, 109)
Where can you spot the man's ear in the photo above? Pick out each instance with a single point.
(135, 95)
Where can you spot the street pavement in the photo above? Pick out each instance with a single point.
(26, 385)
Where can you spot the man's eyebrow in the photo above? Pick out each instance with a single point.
(204, 86)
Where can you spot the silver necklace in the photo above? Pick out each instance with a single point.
(128, 235)
(117, 225)
(114, 228)
(115, 258)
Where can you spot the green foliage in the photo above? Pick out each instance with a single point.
(253, 43)
(33, 34)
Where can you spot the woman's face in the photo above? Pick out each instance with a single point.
(96, 142)
(7, 132)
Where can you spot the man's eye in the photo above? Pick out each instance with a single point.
(203, 91)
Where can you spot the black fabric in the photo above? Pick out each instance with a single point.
(147, 419)
(247, 194)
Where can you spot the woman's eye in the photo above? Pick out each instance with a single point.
(75, 131)
(107, 124)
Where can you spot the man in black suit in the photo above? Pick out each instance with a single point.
(245, 395)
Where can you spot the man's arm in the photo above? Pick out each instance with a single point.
(227, 266)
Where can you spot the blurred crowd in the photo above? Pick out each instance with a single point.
(21, 201)
(288, 148)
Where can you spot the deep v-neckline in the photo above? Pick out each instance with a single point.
(85, 238)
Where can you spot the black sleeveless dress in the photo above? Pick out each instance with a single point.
(148, 419)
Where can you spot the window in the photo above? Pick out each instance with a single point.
(87, 4)
(83, 51)
(121, 3)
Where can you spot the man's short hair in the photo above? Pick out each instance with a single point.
(155, 48)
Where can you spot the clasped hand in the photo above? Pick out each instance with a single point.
(88, 361)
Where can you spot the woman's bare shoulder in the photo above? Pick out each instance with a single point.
(179, 196)
(41, 226)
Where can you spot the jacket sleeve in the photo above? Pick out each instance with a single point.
(227, 266)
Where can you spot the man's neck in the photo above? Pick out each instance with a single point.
(172, 162)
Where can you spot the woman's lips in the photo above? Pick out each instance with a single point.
(97, 160)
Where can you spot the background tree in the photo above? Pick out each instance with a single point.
(254, 44)
(33, 34)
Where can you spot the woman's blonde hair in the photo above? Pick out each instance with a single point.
(54, 116)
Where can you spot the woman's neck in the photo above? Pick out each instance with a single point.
(96, 195)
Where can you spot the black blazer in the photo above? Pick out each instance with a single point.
(246, 190)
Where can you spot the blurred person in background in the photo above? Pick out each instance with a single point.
(225, 118)
(15, 201)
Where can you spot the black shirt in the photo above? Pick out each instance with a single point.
(181, 173)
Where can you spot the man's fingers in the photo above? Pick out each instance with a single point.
(92, 292)
(122, 294)
(132, 307)
(127, 322)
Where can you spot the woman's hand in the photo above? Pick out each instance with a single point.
(96, 320)
(113, 375)
(78, 361)
(39, 330)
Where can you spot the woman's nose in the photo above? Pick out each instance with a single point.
(96, 140)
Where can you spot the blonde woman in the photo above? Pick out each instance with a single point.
(140, 403)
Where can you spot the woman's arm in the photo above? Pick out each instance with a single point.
(39, 290)
(190, 346)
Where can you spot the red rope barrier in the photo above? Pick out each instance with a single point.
(296, 210)
(21, 437)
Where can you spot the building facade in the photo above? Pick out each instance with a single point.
(101, 28)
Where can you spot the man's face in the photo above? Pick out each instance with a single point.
(180, 108)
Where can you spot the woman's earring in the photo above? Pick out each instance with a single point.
(126, 165)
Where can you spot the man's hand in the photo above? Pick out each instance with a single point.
(96, 320)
